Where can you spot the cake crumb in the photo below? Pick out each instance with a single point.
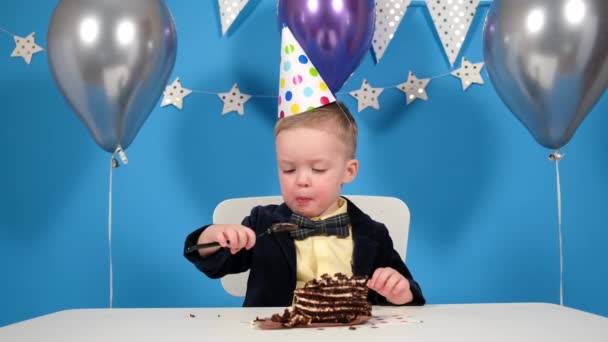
(352, 328)
(191, 315)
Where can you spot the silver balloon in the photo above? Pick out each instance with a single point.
(548, 60)
(112, 59)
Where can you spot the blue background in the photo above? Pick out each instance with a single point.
(482, 193)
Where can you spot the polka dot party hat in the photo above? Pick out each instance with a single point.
(301, 88)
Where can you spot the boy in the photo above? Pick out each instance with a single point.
(316, 156)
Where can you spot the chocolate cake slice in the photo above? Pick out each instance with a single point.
(329, 299)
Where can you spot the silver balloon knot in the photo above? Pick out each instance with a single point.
(122, 155)
(556, 156)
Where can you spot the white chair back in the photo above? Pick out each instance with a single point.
(391, 211)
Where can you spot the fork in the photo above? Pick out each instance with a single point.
(281, 227)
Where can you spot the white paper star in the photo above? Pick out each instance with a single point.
(414, 88)
(234, 100)
(367, 96)
(174, 94)
(26, 47)
(469, 73)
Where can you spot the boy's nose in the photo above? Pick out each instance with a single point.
(303, 179)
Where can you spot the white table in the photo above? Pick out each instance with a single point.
(462, 322)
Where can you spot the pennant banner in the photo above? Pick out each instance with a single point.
(452, 20)
(229, 11)
(389, 14)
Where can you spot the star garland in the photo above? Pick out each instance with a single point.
(367, 96)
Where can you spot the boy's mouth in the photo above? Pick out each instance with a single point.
(303, 200)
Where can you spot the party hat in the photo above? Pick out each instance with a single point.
(301, 88)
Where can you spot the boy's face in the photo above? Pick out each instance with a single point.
(312, 165)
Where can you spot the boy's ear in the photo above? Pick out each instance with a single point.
(352, 168)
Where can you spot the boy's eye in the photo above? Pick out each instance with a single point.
(319, 170)
(288, 171)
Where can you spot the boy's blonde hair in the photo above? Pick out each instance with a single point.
(333, 117)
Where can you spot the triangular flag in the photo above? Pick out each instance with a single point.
(452, 19)
(229, 10)
(389, 14)
(301, 88)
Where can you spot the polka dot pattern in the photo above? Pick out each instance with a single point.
(452, 19)
(367, 96)
(229, 10)
(301, 87)
(469, 73)
(389, 14)
(308, 91)
(26, 47)
(414, 88)
(234, 100)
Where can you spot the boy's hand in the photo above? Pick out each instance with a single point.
(392, 285)
(233, 236)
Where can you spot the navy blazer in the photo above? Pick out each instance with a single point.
(272, 261)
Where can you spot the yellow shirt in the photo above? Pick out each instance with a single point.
(319, 254)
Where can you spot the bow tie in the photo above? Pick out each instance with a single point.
(335, 225)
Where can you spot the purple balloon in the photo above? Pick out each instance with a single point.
(335, 34)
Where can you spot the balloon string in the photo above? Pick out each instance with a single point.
(556, 156)
(113, 164)
(559, 225)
